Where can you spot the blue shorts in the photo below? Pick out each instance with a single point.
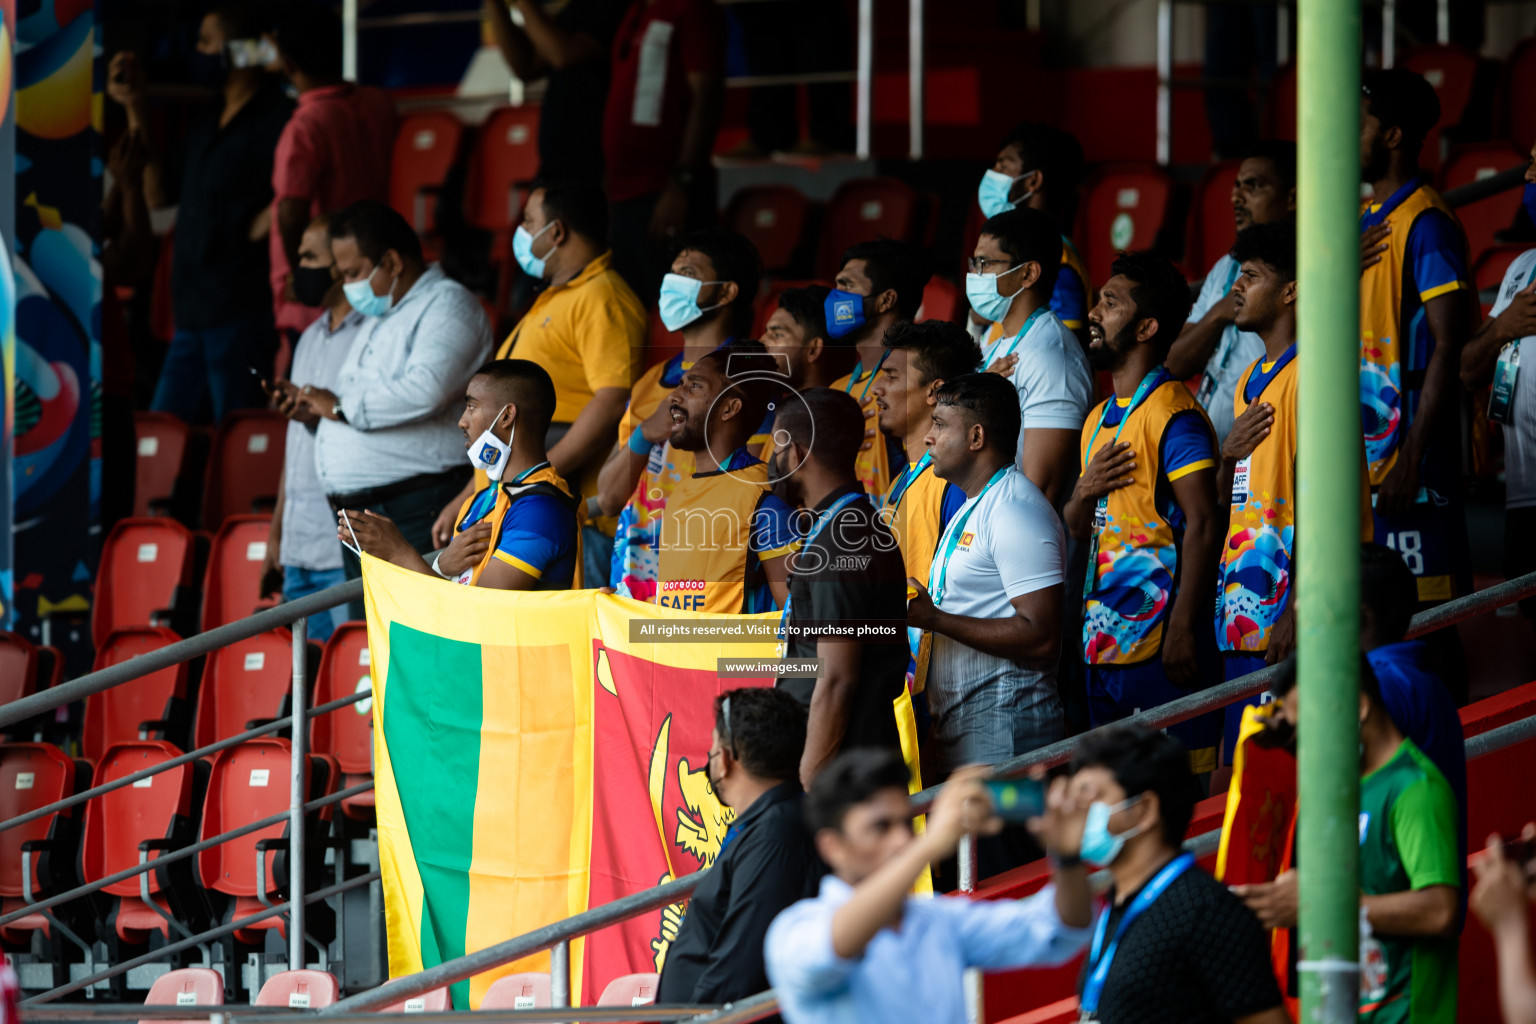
(1239, 665)
(1432, 538)
(1119, 691)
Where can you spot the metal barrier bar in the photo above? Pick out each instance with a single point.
(803, 78)
(212, 933)
(135, 1011)
(515, 948)
(560, 974)
(1388, 33)
(864, 101)
(916, 56)
(184, 650)
(296, 794)
(276, 725)
(349, 40)
(1472, 191)
(1164, 78)
(172, 856)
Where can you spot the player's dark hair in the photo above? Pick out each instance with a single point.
(829, 424)
(581, 206)
(1403, 99)
(1159, 291)
(1281, 154)
(1389, 590)
(1055, 153)
(752, 372)
(309, 37)
(734, 258)
(891, 264)
(766, 732)
(1273, 244)
(852, 778)
(808, 307)
(376, 228)
(938, 349)
(1027, 235)
(526, 385)
(989, 399)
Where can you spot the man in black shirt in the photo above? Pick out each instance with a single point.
(767, 862)
(220, 292)
(1175, 947)
(848, 574)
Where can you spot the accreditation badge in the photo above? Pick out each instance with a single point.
(1240, 481)
(1504, 373)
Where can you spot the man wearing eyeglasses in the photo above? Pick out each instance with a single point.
(767, 862)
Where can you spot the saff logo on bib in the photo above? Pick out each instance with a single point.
(489, 454)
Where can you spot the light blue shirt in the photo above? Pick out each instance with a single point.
(914, 973)
(402, 389)
(309, 525)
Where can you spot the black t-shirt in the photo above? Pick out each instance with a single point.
(852, 573)
(218, 275)
(571, 122)
(1197, 955)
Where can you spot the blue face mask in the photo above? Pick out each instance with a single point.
(981, 290)
(522, 251)
(361, 296)
(1100, 846)
(845, 312)
(1528, 200)
(992, 193)
(679, 304)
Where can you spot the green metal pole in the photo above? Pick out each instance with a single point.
(1328, 570)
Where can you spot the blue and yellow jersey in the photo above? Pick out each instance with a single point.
(535, 524)
(1131, 586)
(917, 508)
(1069, 299)
(1426, 258)
(718, 530)
(875, 465)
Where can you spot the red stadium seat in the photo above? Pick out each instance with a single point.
(189, 986)
(33, 775)
(232, 584)
(1488, 273)
(143, 562)
(1483, 219)
(1450, 69)
(50, 666)
(244, 683)
(245, 466)
(299, 990)
(774, 218)
(630, 990)
(114, 716)
(503, 162)
(347, 733)
(1211, 228)
(518, 992)
(426, 147)
(1123, 209)
(18, 667)
(162, 447)
(941, 301)
(1515, 114)
(246, 784)
(156, 810)
(435, 1001)
(864, 209)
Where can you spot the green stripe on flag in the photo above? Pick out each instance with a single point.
(433, 709)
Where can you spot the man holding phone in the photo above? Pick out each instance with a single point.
(834, 957)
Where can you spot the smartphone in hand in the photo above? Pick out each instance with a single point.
(1018, 800)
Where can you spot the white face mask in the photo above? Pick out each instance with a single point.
(489, 452)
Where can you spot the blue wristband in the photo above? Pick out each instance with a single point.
(638, 444)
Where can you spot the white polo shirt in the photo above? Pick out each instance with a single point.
(1520, 435)
(1052, 376)
(1011, 545)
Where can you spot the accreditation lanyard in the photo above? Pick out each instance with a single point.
(1101, 507)
(994, 357)
(810, 538)
(1100, 958)
(938, 576)
(858, 371)
(905, 481)
(1502, 395)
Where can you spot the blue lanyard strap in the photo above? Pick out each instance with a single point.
(938, 575)
(1099, 958)
(810, 538)
(1142, 390)
(994, 357)
(907, 478)
(858, 371)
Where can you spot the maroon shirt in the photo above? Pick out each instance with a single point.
(657, 46)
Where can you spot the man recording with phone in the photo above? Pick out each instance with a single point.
(839, 956)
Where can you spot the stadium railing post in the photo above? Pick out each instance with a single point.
(1328, 569)
(296, 798)
(560, 974)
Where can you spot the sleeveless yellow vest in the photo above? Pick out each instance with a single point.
(872, 467)
(705, 536)
(1383, 335)
(541, 481)
(1132, 584)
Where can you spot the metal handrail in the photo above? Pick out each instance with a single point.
(183, 650)
(1056, 753)
(180, 759)
(172, 856)
(212, 933)
(1472, 191)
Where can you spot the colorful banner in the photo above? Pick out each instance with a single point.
(7, 305)
(530, 762)
(1261, 804)
(58, 283)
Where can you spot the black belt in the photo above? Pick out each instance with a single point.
(379, 495)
